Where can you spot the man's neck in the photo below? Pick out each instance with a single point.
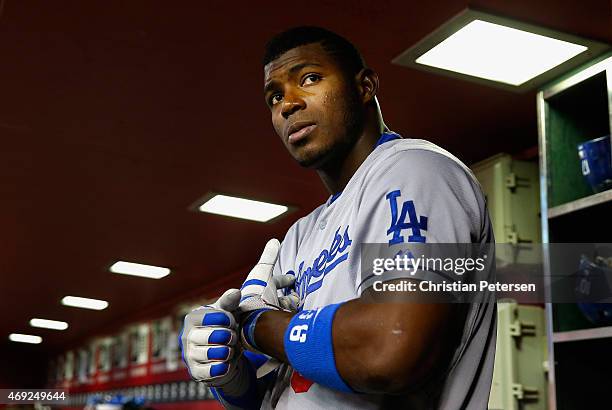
(336, 176)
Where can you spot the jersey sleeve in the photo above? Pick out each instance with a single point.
(416, 197)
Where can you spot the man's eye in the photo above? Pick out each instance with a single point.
(311, 79)
(275, 99)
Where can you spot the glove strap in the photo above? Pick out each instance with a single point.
(241, 392)
(247, 333)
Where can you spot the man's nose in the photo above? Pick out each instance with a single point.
(291, 103)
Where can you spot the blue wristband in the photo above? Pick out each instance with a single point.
(309, 347)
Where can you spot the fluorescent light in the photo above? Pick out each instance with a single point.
(84, 303)
(137, 269)
(18, 337)
(48, 324)
(242, 208)
(499, 53)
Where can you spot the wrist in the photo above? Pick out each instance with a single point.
(241, 390)
(247, 330)
(270, 332)
(308, 343)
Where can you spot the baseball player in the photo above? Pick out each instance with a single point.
(303, 331)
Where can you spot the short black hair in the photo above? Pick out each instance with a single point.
(337, 46)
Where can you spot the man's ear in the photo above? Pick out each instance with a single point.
(367, 83)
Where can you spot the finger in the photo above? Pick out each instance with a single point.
(210, 336)
(204, 354)
(284, 303)
(208, 371)
(209, 316)
(270, 252)
(261, 274)
(283, 281)
(229, 301)
(289, 302)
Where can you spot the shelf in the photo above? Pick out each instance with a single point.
(585, 334)
(571, 111)
(579, 204)
(582, 374)
(577, 78)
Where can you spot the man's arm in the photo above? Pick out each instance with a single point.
(379, 347)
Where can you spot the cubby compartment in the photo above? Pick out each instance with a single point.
(571, 111)
(575, 115)
(582, 373)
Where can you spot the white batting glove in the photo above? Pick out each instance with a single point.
(208, 341)
(290, 302)
(259, 294)
(260, 289)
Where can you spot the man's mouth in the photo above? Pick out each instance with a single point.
(299, 130)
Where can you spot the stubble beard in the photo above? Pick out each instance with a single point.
(333, 155)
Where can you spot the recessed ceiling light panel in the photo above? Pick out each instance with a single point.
(84, 303)
(48, 324)
(21, 338)
(138, 269)
(499, 52)
(242, 208)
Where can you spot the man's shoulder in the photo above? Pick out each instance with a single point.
(419, 152)
(415, 159)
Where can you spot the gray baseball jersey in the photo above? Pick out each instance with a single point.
(405, 190)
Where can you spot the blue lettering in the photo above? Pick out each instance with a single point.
(415, 223)
(327, 260)
(346, 241)
(335, 244)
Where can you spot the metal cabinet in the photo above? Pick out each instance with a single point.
(572, 110)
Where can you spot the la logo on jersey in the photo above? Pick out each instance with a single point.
(415, 223)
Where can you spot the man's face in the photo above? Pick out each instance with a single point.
(315, 105)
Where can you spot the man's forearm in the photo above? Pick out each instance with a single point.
(270, 333)
(377, 347)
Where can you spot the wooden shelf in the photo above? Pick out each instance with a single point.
(583, 334)
(579, 204)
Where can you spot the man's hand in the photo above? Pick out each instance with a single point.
(208, 341)
(260, 293)
(209, 336)
(291, 302)
(259, 290)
